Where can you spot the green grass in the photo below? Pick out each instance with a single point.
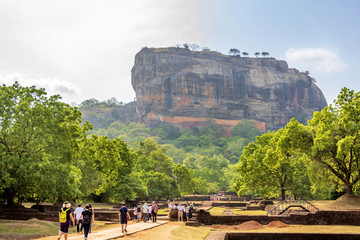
(32, 227)
(190, 233)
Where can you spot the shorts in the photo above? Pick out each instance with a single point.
(64, 227)
(187, 214)
(123, 220)
(135, 217)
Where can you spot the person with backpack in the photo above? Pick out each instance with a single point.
(93, 216)
(124, 217)
(87, 220)
(139, 211)
(65, 218)
(154, 210)
(77, 214)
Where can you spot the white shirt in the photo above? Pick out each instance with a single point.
(78, 212)
(180, 208)
(145, 209)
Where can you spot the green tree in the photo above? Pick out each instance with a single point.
(38, 139)
(270, 169)
(234, 52)
(332, 139)
(105, 164)
(154, 165)
(245, 54)
(185, 179)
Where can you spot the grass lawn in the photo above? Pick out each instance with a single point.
(34, 228)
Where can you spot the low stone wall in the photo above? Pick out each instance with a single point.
(320, 218)
(290, 236)
(230, 204)
(26, 214)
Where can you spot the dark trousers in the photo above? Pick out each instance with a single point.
(78, 228)
(86, 229)
(153, 214)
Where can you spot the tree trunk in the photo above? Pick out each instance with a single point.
(9, 197)
(283, 196)
(348, 188)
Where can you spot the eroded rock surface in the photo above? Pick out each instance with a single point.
(182, 87)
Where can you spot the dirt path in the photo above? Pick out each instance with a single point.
(161, 232)
(113, 233)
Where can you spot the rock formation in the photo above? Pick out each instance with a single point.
(183, 87)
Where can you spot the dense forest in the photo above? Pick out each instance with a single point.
(50, 151)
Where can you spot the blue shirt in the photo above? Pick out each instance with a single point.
(123, 212)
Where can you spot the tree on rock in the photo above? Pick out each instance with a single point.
(234, 52)
(265, 54)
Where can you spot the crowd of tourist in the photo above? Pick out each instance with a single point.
(83, 218)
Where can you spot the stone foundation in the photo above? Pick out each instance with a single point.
(280, 236)
(319, 218)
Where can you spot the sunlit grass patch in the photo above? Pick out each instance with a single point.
(190, 233)
(32, 227)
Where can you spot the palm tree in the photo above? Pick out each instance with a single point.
(257, 54)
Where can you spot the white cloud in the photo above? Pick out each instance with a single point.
(318, 60)
(52, 86)
(89, 42)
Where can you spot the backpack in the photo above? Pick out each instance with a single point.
(86, 218)
(63, 214)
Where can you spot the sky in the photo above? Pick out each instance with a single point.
(84, 49)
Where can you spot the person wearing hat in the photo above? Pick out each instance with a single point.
(124, 217)
(145, 212)
(65, 218)
(154, 210)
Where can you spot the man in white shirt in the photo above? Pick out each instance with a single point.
(145, 211)
(78, 211)
(180, 212)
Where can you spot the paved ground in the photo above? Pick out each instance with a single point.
(116, 232)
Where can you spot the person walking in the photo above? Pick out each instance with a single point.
(149, 216)
(78, 211)
(93, 216)
(170, 208)
(180, 212)
(154, 210)
(65, 218)
(87, 218)
(187, 212)
(124, 217)
(139, 210)
(145, 212)
(135, 214)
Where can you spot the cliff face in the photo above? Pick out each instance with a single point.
(183, 87)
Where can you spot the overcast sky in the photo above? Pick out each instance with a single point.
(85, 49)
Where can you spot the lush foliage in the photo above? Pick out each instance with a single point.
(38, 140)
(321, 158)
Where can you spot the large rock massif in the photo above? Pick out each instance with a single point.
(185, 88)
